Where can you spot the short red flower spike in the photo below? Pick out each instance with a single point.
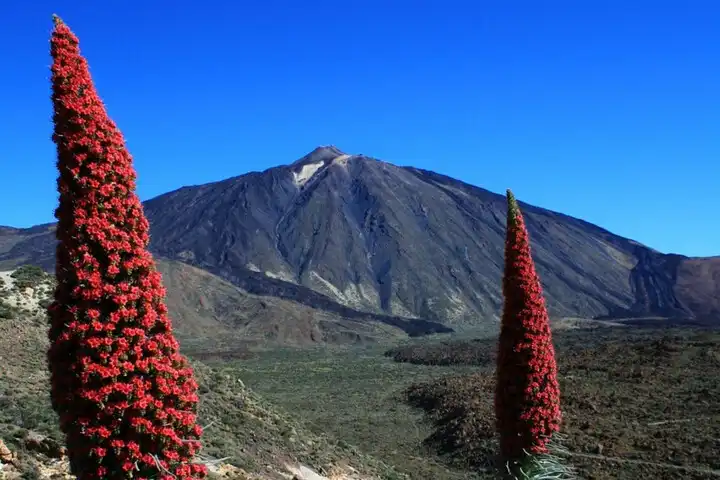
(126, 398)
(527, 396)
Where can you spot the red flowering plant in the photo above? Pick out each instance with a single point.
(127, 400)
(527, 395)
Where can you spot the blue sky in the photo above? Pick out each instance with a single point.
(604, 110)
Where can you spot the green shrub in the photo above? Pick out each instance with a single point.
(6, 311)
(28, 276)
(45, 303)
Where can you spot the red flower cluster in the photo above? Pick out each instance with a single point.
(126, 398)
(527, 396)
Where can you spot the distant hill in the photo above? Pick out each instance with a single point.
(348, 233)
(210, 314)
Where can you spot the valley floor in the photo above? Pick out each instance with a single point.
(639, 403)
(355, 395)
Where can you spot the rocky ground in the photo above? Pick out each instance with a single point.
(43, 458)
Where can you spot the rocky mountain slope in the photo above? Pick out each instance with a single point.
(246, 438)
(334, 231)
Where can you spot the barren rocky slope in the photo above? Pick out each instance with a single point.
(334, 231)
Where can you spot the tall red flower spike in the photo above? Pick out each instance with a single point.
(527, 396)
(126, 398)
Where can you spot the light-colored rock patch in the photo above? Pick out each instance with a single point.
(354, 295)
(341, 160)
(28, 299)
(280, 276)
(306, 173)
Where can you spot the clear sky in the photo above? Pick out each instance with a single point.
(606, 110)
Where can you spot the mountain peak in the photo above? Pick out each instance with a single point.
(323, 153)
(322, 156)
(329, 149)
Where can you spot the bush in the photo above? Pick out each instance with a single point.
(29, 276)
(474, 352)
(464, 422)
(45, 303)
(6, 311)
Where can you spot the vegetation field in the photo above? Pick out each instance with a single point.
(357, 395)
(638, 402)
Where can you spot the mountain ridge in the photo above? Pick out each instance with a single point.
(351, 231)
